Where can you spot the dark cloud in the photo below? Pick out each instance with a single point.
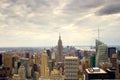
(82, 6)
(109, 9)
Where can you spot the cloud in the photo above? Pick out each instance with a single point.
(38, 22)
(109, 9)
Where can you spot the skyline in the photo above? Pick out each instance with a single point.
(35, 23)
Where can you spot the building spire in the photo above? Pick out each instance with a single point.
(59, 36)
(98, 33)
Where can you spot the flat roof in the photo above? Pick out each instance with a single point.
(100, 72)
(71, 57)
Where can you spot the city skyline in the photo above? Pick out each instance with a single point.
(38, 22)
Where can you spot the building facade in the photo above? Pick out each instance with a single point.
(7, 60)
(60, 49)
(44, 65)
(102, 54)
(71, 66)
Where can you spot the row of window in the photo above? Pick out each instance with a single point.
(71, 63)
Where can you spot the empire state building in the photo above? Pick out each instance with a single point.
(60, 48)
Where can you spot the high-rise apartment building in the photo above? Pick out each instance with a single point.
(71, 66)
(44, 65)
(60, 49)
(102, 54)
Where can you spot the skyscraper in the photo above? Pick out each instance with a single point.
(71, 68)
(102, 54)
(7, 60)
(97, 44)
(60, 48)
(44, 65)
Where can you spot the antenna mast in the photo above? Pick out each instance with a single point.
(98, 33)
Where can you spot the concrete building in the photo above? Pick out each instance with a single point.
(37, 59)
(7, 60)
(71, 66)
(44, 65)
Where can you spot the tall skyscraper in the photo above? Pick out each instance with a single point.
(71, 68)
(97, 44)
(102, 54)
(60, 49)
(7, 60)
(37, 59)
(44, 65)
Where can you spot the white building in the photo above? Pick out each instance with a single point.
(102, 54)
(71, 68)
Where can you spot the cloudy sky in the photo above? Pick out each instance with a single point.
(39, 22)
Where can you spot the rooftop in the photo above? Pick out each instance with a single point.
(71, 57)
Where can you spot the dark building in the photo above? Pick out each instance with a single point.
(111, 73)
(35, 67)
(118, 54)
(78, 53)
(111, 50)
(0, 59)
(92, 60)
(27, 55)
(4, 73)
(48, 53)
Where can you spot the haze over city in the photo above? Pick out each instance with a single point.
(39, 22)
